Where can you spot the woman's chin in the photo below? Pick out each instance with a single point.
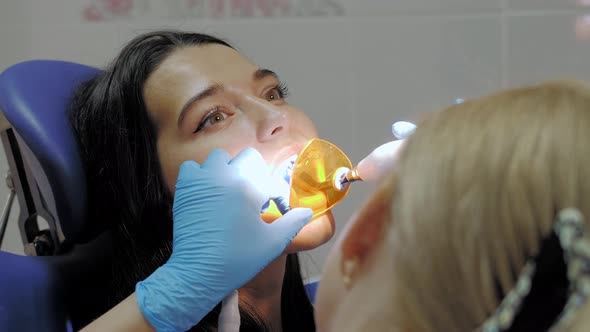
(314, 234)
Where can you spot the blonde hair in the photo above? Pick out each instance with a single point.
(478, 189)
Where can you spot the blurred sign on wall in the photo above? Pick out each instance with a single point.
(583, 28)
(110, 10)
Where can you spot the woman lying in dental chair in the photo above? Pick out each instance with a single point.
(480, 226)
(173, 96)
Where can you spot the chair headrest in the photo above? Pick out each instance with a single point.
(34, 97)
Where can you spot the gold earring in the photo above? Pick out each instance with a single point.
(348, 269)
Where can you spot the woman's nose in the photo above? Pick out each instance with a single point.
(271, 121)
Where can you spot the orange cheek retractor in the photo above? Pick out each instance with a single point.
(316, 182)
(322, 173)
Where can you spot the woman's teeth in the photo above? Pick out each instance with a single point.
(285, 169)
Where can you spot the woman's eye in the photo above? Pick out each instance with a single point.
(215, 117)
(274, 94)
(279, 92)
(211, 119)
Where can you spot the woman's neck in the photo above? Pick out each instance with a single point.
(263, 292)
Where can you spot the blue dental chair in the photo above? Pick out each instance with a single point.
(44, 290)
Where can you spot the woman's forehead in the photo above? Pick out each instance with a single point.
(215, 63)
(189, 70)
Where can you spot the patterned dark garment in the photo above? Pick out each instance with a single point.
(570, 229)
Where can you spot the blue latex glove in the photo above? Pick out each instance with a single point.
(220, 241)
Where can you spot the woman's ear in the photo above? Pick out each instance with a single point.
(366, 233)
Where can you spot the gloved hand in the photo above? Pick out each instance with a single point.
(381, 160)
(220, 241)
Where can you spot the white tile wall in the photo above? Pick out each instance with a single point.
(398, 74)
(535, 5)
(13, 33)
(354, 74)
(62, 41)
(547, 47)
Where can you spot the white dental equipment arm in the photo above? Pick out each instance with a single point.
(379, 162)
(229, 317)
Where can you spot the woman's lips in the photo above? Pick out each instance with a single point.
(283, 154)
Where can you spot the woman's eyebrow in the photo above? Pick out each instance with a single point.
(264, 73)
(208, 92)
